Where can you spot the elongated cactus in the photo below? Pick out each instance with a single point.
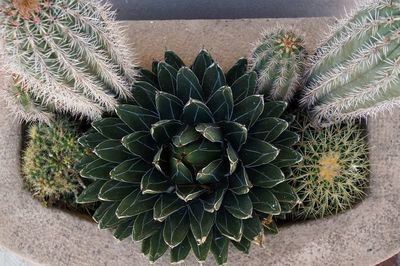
(69, 54)
(278, 58)
(355, 73)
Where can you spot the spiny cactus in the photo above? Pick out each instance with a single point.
(335, 170)
(279, 58)
(356, 71)
(48, 162)
(196, 163)
(69, 54)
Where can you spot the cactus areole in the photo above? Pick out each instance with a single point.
(197, 161)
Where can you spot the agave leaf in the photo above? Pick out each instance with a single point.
(136, 117)
(130, 171)
(214, 78)
(232, 158)
(160, 160)
(287, 171)
(221, 104)
(153, 182)
(219, 248)
(146, 246)
(248, 111)
(252, 228)
(84, 161)
(112, 128)
(144, 94)
(189, 192)
(211, 132)
(271, 228)
(239, 206)
(180, 252)
(176, 227)
(124, 229)
(157, 246)
(173, 60)
(244, 87)
(274, 109)
(145, 226)
(266, 176)
(238, 70)
(168, 106)
(201, 63)
(244, 245)
(201, 222)
(97, 169)
(268, 129)
(264, 201)
(285, 193)
(135, 203)
(195, 112)
(199, 154)
(89, 195)
(180, 174)
(200, 251)
(154, 68)
(186, 135)
(235, 133)
(257, 152)
(91, 140)
(167, 77)
(141, 144)
(212, 202)
(188, 85)
(229, 226)
(213, 172)
(112, 151)
(115, 191)
(166, 205)
(109, 219)
(148, 76)
(101, 210)
(287, 157)
(239, 182)
(287, 138)
(163, 131)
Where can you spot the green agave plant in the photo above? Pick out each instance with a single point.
(197, 161)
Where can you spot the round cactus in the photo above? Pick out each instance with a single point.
(278, 58)
(198, 161)
(334, 172)
(48, 162)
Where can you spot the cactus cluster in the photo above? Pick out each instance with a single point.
(279, 60)
(356, 71)
(69, 54)
(197, 162)
(48, 162)
(334, 172)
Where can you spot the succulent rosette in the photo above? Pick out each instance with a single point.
(198, 160)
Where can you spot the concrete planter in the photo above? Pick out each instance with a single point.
(365, 235)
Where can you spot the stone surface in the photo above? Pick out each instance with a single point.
(366, 235)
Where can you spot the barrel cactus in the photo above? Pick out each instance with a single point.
(198, 161)
(279, 60)
(355, 72)
(70, 54)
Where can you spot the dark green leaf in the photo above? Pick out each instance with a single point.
(179, 253)
(271, 228)
(141, 144)
(287, 171)
(244, 87)
(136, 117)
(166, 205)
(201, 222)
(115, 190)
(135, 203)
(239, 182)
(214, 78)
(213, 172)
(84, 161)
(147, 76)
(97, 169)
(154, 68)
(145, 226)
(221, 104)
(173, 59)
(268, 129)
(200, 251)
(146, 246)
(160, 160)
(257, 152)
(229, 226)
(273, 109)
(244, 245)
(144, 94)
(211, 132)
(195, 112)
(238, 70)
(235, 133)
(167, 77)
(232, 158)
(188, 85)
(186, 135)
(153, 182)
(248, 110)
(157, 246)
(163, 131)
(124, 229)
(112, 128)
(219, 248)
(112, 151)
(168, 105)
(180, 174)
(264, 201)
(109, 219)
(91, 140)
(239, 206)
(266, 176)
(176, 227)
(130, 171)
(189, 192)
(285, 193)
(89, 195)
(252, 228)
(201, 63)
(287, 157)
(287, 138)
(199, 154)
(101, 210)
(212, 202)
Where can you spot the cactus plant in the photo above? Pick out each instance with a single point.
(279, 59)
(48, 162)
(197, 162)
(70, 54)
(355, 72)
(335, 170)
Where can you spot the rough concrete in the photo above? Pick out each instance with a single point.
(366, 235)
